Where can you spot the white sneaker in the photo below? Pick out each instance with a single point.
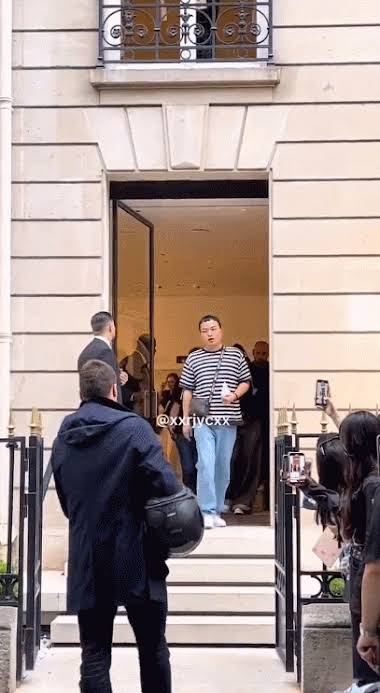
(368, 688)
(208, 521)
(219, 522)
(238, 511)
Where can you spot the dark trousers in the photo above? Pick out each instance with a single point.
(246, 465)
(148, 620)
(188, 455)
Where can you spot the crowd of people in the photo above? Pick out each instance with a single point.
(233, 458)
(242, 461)
(108, 462)
(348, 498)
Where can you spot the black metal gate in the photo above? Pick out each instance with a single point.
(284, 559)
(20, 575)
(289, 572)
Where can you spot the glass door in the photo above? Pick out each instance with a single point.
(133, 296)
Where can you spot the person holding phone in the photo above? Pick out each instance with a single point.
(358, 433)
(352, 511)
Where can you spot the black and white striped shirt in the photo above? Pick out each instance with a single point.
(199, 372)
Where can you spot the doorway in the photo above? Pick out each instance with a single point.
(177, 257)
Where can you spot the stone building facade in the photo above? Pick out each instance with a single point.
(308, 122)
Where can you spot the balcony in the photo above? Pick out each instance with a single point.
(184, 31)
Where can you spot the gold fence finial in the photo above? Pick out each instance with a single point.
(377, 410)
(350, 408)
(35, 423)
(283, 426)
(11, 425)
(293, 420)
(324, 422)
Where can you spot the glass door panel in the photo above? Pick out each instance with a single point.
(133, 265)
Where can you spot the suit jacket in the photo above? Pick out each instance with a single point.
(107, 462)
(97, 349)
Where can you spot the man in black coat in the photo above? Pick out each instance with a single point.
(100, 348)
(107, 463)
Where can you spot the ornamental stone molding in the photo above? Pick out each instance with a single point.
(189, 137)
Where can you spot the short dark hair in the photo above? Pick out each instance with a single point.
(95, 379)
(100, 320)
(206, 318)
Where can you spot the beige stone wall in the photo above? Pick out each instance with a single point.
(317, 133)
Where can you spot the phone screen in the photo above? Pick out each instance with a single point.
(296, 467)
(322, 392)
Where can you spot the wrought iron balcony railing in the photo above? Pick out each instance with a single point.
(184, 31)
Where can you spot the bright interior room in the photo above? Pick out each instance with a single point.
(179, 259)
(211, 256)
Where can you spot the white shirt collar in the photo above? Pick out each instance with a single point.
(98, 336)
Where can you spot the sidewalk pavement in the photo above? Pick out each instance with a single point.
(200, 670)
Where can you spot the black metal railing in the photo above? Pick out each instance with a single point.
(292, 581)
(12, 573)
(185, 31)
(21, 572)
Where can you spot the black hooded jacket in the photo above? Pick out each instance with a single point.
(107, 462)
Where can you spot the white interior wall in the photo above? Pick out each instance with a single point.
(244, 320)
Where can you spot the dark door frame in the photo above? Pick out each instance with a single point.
(169, 189)
(116, 204)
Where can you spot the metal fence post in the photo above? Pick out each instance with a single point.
(34, 561)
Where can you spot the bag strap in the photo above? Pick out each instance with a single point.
(216, 375)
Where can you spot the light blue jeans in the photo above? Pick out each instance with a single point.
(214, 446)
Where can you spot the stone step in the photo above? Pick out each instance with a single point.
(221, 599)
(237, 541)
(243, 571)
(189, 630)
(199, 571)
(229, 542)
(250, 599)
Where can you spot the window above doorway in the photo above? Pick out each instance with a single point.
(213, 36)
(157, 31)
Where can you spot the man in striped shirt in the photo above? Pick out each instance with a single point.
(221, 375)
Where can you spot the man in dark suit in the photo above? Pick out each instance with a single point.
(104, 331)
(107, 463)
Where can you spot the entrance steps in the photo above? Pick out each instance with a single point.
(182, 630)
(223, 594)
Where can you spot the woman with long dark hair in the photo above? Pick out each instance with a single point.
(348, 465)
(331, 459)
(358, 433)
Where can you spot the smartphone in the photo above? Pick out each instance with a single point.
(322, 392)
(296, 467)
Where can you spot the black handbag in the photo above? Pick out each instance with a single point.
(200, 406)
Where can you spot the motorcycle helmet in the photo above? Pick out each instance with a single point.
(175, 522)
